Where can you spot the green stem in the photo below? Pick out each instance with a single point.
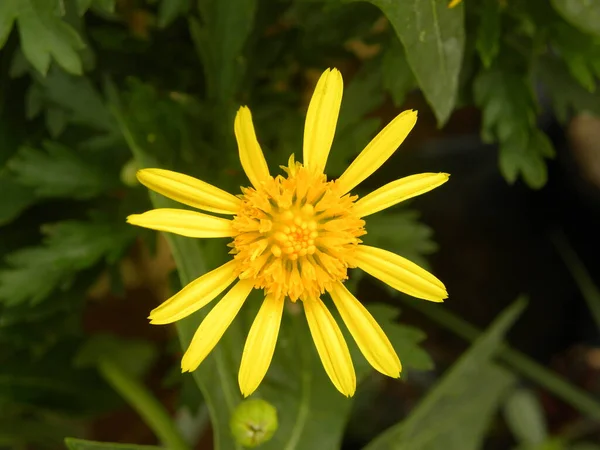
(144, 403)
(521, 363)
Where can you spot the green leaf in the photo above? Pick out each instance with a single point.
(168, 11)
(103, 5)
(9, 10)
(401, 232)
(584, 14)
(219, 39)
(404, 338)
(71, 246)
(488, 32)
(58, 172)
(525, 417)
(81, 444)
(439, 420)
(133, 356)
(509, 114)
(566, 94)
(45, 36)
(398, 79)
(15, 198)
(433, 36)
(353, 132)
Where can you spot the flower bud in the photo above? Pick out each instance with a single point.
(253, 422)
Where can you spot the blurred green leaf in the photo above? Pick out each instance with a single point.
(580, 52)
(133, 356)
(509, 112)
(168, 11)
(567, 95)
(525, 417)
(219, 39)
(81, 444)
(488, 32)
(104, 5)
(438, 421)
(401, 232)
(58, 172)
(433, 36)
(353, 132)
(33, 273)
(44, 35)
(584, 14)
(404, 338)
(15, 198)
(398, 79)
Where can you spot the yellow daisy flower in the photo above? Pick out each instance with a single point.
(294, 237)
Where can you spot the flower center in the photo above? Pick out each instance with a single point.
(295, 234)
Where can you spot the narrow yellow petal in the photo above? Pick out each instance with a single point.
(195, 295)
(215, 324)
(321, 120)
(370, 338)
(331, 346)
(251, 156)
(398, 191)
(454, 3)
(378, 151)
(189, 190)
(400, 273)
(183, 222)
(260, 345)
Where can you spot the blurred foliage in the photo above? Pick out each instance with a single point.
(92, 89)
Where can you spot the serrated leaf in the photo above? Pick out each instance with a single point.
(525, 417)
(45, 36)
(15, 198)
(438, 421)
(81, 444)
(404, 338)
(488, 32)
(133, 356)
(33, 273)
(433, 36)
(58, 172)
(584, 14)
(509, 113)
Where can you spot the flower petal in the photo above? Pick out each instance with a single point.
(331, 346)
(260, 345)
(251, 156)
(215, 324)
(195, 295)
(398, 191)
(378, 151)
(370, 338)
(321, 120)
(183, 222)
(399, 273)
(189, 190)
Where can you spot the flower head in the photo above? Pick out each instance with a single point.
(294, 236)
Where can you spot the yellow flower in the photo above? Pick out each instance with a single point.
(295, 237)
(454, 3)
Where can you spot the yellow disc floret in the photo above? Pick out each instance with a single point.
(295, 234)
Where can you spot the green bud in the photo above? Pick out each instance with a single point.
(128, 171)
(253, 422)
